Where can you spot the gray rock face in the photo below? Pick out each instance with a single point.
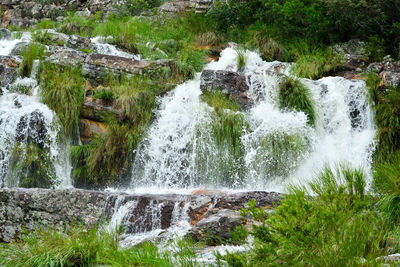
(26, 208)
(232, 84)
(32, 129)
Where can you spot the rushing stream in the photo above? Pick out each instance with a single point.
(179, 152)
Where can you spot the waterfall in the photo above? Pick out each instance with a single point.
(29, 133)
(179, 152)
(104, 48)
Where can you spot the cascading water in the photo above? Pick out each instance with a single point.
(278, 147)
(104, 48)
(29, 134)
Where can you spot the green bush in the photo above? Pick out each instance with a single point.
(104, 94)
(63, 90)
(329, 222)
(293, 95)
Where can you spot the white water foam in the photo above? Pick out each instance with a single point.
(105, 48)
(343, 134)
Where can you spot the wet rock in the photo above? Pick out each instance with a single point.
(215, 227)
(71, 41)
(32, 129)
(232, 84)
(8, 70)
(89, 129)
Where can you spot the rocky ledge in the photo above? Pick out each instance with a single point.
(215, 211)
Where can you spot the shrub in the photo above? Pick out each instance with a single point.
(293, 95)
(329, 222)
(46, 24)
(63, 90)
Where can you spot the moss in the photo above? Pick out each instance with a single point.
(293, 95)
(63, 90)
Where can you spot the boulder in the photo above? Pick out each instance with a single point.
(232, 84)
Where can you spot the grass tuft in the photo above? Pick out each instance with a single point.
(293, 95)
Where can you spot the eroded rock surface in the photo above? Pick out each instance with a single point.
(26, 208)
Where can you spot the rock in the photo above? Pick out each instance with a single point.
(388, 71)
(95, 109)
(202, 6)
(217, 226)
(65, 56)
(354, 53)
(8, 70)
(175, 7)
(89, 129)
(26, 208)
(32, 129)
(391, 259)
(232, 84)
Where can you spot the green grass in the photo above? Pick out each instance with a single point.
(316, 63)
(29, 54)
(241, 60)
(293, 95)
(104, 94)
(63, 90)
(78, 246)
(386, 184)
(219, 101)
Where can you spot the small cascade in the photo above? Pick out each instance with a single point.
(278, 146)
(30, 139)
(148, 218)
(104, 48)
